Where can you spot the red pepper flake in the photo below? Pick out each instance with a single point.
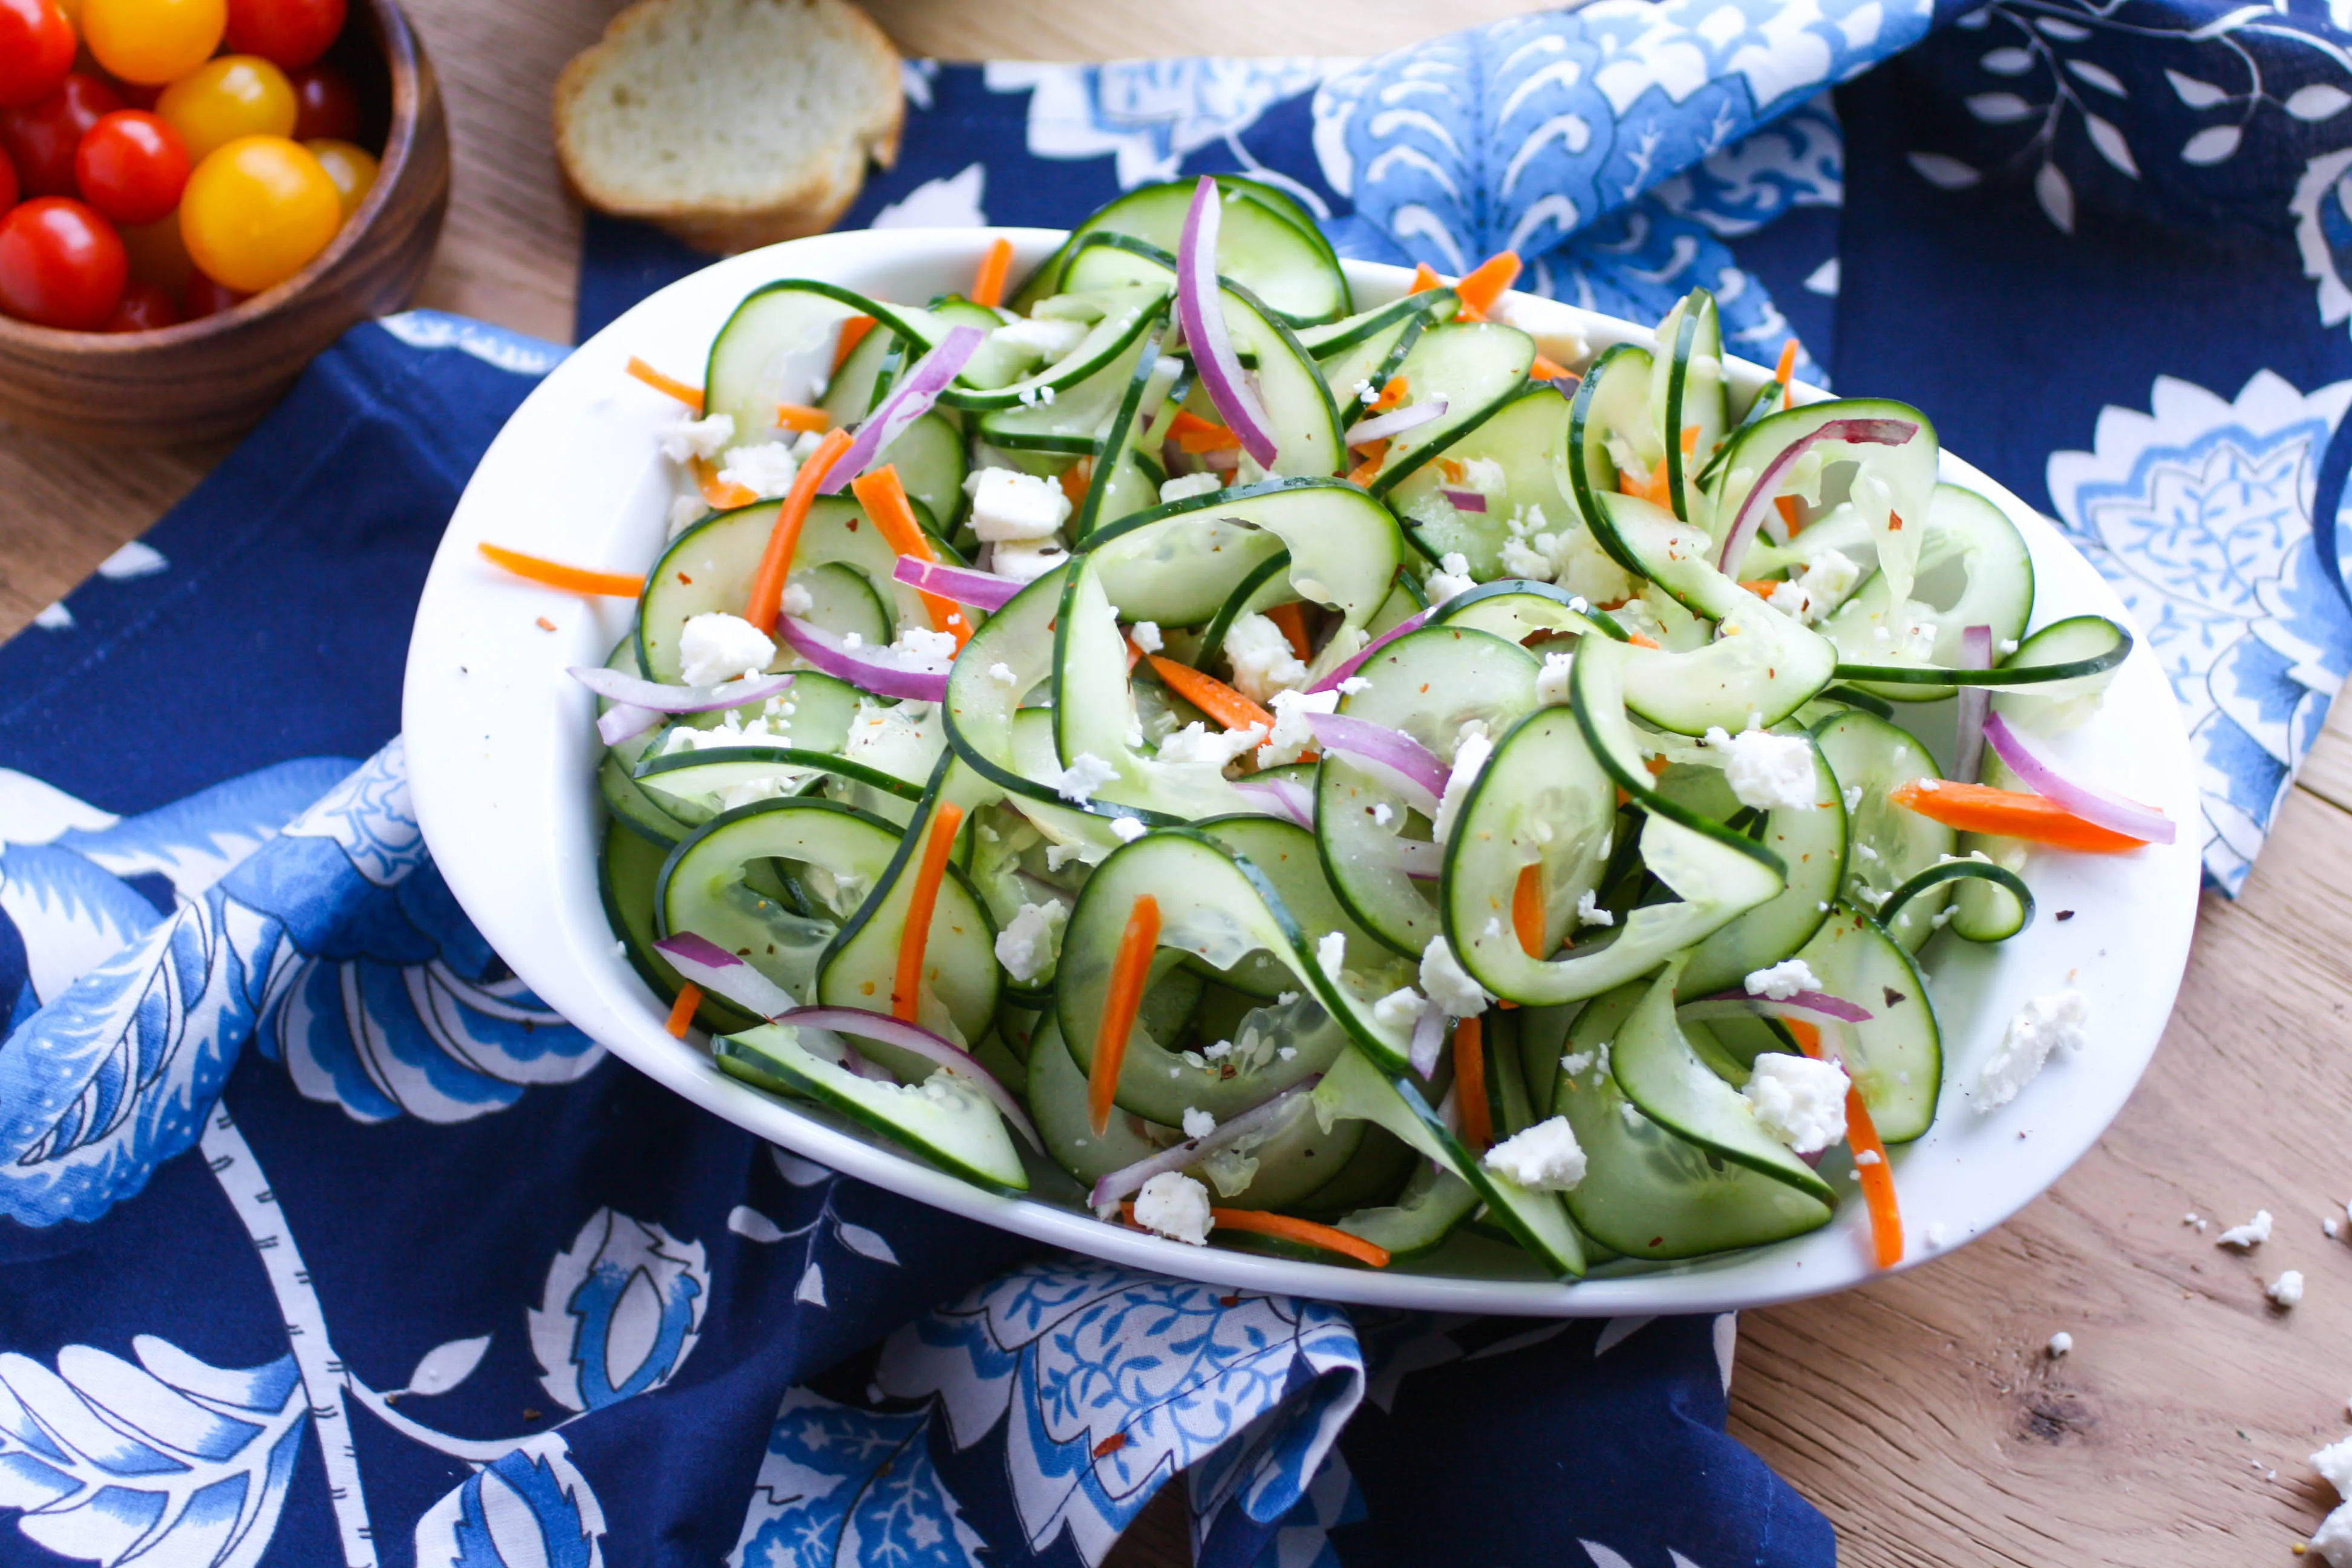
(1894, 524)
(544, 624)
(1893, 998)
(1110, 1444)
(853, 525)
(2065, 914)
(685, 579)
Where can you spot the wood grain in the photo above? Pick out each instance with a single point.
(1920, 1414)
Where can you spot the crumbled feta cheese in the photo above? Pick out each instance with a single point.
(1174, 1205)
(2059, 1343)
(1352, 684)
(684, 512)
(715, 647)
(1452, 578)
(1031, 941)
(1002, 673)
(1400, 1009)
(1011, 506)
(1766, 770)
(1589, 911)
(1544, 1158)
(1382, 814)
(1470, 754)
(796, 599)
(1292, 734)
(2328, 1227)
(691, 438)
(765, 468)
(1819, 589)
(1852, 797)
(2058, 1021)
(923, 648)
(1262, 658)
(1025, 562)
(1331, 953)
(2334, 1462)
(1520, 561)
(1047, 340)
(1575, 1062)
(1128, 829)
(2286, 1290)
(1198, 1123)
(1146, 636)
(1447, 984)
(1551, 681)
(2249, 1236)
(1783, 980)
(1799, 1101)
(1185, 487)
(1086, 775)
(1633, 1115)
(1196, 743)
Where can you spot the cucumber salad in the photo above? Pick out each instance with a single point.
(1332, 780)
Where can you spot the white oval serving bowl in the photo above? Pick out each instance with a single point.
(502, 755)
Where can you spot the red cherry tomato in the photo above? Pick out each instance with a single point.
(144, 308)
(7, 183)
(292, 33)
(36, 49)
(61, 265)
(325, 107)
(132, 166)
(209, 297)
(41, 140)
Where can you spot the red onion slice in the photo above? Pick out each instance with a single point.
(1428, 1041)
(1396, 422)
(1809, 1004)
(710, 966)
(1419, 772)
(982, 590)
(1855, 432)
(1463, 500)
(615, 726)
(1972, 706)
(878, 671)
(1293, 799)
(1202, 314)
(907, 402)
(1129, 1179)
(661, 699)
(1411, 623)
(2105, 811)
(917, 1040)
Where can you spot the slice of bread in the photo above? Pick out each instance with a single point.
(730, 124)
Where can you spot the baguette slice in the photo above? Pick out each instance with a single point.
(730, 124)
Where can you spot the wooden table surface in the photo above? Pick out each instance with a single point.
(1921, 1414)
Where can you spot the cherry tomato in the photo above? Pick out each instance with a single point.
(41, 140)
(158, 254)
(131, 166)
(352, 169)
(206, 297)
(256, 211)
(222, 99)
(36, 49)
(143, 309)
(61, 265)
(7, 183)
(325, 105)
(72, 9)
(293, 33)
(153, 40)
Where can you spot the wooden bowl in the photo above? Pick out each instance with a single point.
(207, 379)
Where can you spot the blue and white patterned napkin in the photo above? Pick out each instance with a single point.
(326, 1242)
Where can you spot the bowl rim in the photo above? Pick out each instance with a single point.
(471, 660)
(409, 75)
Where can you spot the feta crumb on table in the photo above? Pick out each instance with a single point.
(2058, 1021)
(1796, 1100)
(1544, 1158)
(2249, 1236)
(2286, 1290)
(2059, 1343)
(1174, 1205)
(1783, 980)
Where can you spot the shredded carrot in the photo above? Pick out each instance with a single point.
(885, 500)
(1076, 479)
(1690, 441)
(1263, 1222)
(1878, 1176)
(767, 595)
(556, 574)
(1790, 518)
(801, 417)
(1761, 587)
(1363, 473)
(1982, 809)
(1470, 1081)
(1640, 640)
(1453, 468)
(1547, 368)
(1196, 434)
(1528, 912)
(681, 1011)
(907, 989)
(1424, 278)
(720, 495)
(1292, 620)
(988, 286)
(1130, 967)
(1786, 373)
(1210, 695)
(1134, 653)
(689, 395)
(1485, 283)
(1658, 766)
(1651, 487)
(853, 332)
(1392, 394)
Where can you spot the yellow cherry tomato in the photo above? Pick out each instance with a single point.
(256, 211)
(352, 168)
(151, 42)
(222, 99)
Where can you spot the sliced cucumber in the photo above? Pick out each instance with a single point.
(1906, 472)
(1610, 425)
(1477, 367)
(1974, 570)
(1056, 1095)
(1074, 420)
(1889, 846)
(1257, 246)
(1120, 485)
(1177, 564)
(1811, 844)
(1516, 609)
(1525, 439)
(1107, 342)
(1897, 1058)
(1433, 1202)
(779, 346)
(1687, 388)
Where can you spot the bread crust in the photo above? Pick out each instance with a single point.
(805, 200)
